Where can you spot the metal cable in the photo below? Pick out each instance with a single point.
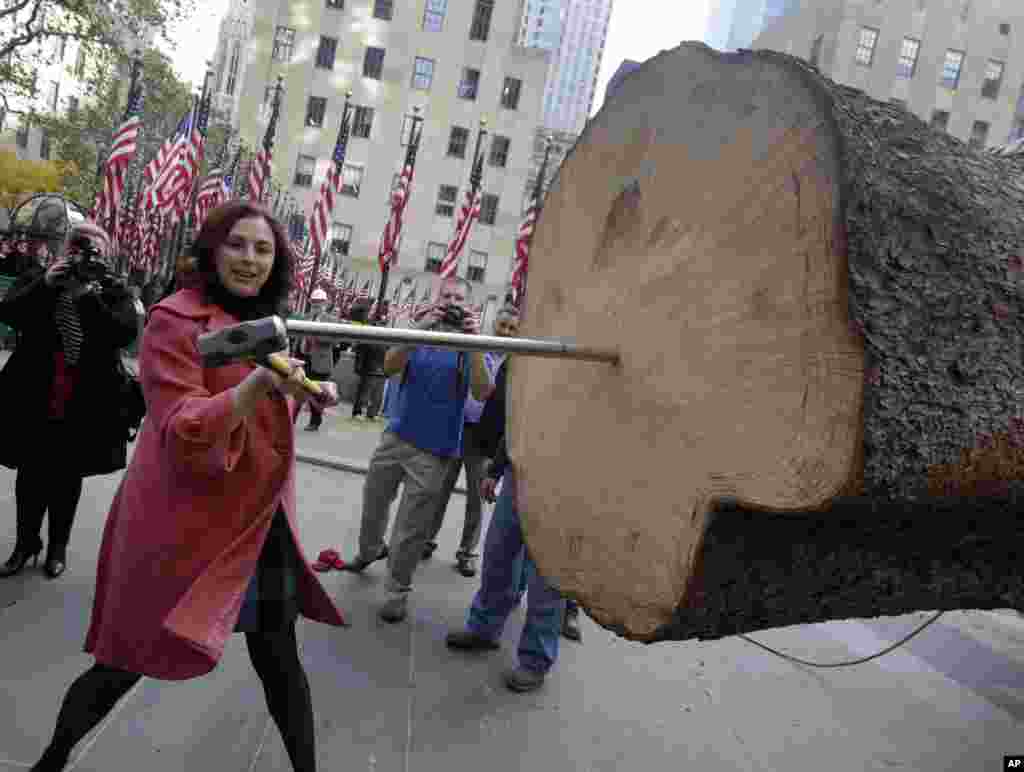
(847, 663)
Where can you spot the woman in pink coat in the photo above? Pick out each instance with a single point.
(201, 538)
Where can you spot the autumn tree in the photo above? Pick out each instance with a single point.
(20, 179)
(33, 33)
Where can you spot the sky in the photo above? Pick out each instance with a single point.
(639, 29)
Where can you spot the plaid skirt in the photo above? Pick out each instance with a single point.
(271, 600)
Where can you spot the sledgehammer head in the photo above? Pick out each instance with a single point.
(249, 340)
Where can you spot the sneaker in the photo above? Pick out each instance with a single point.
(571, 625)
(467, 640)
(428, 549)
(522, 680)
(395, 609)
(466, 565)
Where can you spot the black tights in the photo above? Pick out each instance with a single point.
(274, 655)
(39, 490)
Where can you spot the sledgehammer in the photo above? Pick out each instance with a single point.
(258, 340)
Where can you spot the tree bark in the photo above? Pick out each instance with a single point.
(816, 416)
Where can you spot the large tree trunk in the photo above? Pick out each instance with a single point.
(816, 298)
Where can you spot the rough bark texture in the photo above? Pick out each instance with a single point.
(867, 557)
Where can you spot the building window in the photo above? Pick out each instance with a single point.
(907, 64)
(435, 256)
(446, 196)
(993, 79)
(470, 83)
(488, 209)
(407, 124)
(477, 266)
(422, 74)
(510, 93)
(284, 44)
(52, 90)
(21, 136)
(316, 108)
(362, 122)
(866, 46)
(336, 5)
(233, 69)
(1004, 29)
(305, 166)
(940, 120)
(481, 26)
(499, 151)
(373, 63)
(951, 66)
(1017, 132)
(433, 15)
(979, 134)
(815, 57)
(44, 144)
(341, 239)
(383, 9)
(80, 61)
(351, 180)
(326, 52)
(457, 142)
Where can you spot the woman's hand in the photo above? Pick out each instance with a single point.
(291, 385)
(58, 273)
(329, 397)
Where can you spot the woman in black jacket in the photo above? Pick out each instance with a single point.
(62, 387)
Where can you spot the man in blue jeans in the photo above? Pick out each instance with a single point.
(504, 563)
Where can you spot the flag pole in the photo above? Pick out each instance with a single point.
(536, 204)
(385, 270)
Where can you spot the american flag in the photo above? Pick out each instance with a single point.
(320, 222)
(152, 170)
(469, 212)
(399, 198)
(122, 150)
(525, 237)
(170, 190)
(260, 166)
(212, 193)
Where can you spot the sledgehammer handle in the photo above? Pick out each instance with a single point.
(280, 365)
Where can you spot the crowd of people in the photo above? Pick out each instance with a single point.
(202, 537)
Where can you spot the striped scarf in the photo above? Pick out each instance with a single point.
(70, 326)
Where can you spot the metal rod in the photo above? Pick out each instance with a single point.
(536, 347)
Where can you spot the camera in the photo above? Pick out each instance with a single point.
(86, 262)
(453, 317)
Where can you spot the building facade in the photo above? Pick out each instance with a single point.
(957, 64)
(734, 24)
(572, 81)
(458, 62)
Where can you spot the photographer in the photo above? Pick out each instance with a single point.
(63, 383)
(369, 366)
(318, 354)
(423, 433)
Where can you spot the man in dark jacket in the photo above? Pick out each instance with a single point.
(505, 561)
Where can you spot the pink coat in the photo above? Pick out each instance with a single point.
(193, 509)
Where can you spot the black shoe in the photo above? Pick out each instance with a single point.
(51, 762)
(16, 562)
(466, 565)
(54, 567)
(428, 549)
(571, 625)
(313, 428)
(466, 640)
(358, 565)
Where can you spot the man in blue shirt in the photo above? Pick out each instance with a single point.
(424, 432)
(506, 325)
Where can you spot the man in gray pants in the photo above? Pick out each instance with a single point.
(423, 433)
(506, 325)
